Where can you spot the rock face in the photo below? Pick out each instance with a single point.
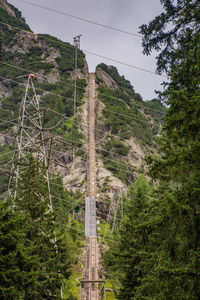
(25, 41)
(106, 80)
(5, 89)
(4, 4)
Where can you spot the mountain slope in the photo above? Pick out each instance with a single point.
(126, 126)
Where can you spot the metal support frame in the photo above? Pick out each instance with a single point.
(82, 283)
(77, 46)
(30, 139)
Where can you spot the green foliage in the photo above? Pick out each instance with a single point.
(5, 156)
(161, 231)
(157, 262)
(38, 248)
(8, 19)
(18, 13)
(41, 241)
(183, 18)
(111, 154)
(128, 122)
(122, 119)
(124, 272)
(60, 96)
(12, 255)
(123, 83)
(67, 55)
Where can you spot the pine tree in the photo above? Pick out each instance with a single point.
(178, 269)
(13, 255)
(130, 248)
(42, 236)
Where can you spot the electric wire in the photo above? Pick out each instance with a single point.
(8, 161)
(61, 139)
(82, 19)
(124, 63)
(71, 99)
(98, 149)
(11, 122)
(101, 94)
(41, 76)
(94, 54)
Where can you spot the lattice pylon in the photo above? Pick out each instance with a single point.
(30, 139)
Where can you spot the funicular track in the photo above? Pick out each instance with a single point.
(92, 265)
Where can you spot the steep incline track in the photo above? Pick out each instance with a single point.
(93, 248)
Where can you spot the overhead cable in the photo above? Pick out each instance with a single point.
(92, 53)
(71, 99)
(62, 81)
(82, 19)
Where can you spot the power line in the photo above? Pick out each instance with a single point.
(39, 89)
(71, 99)
(125, 64)
(11, 122)
(60, 139)
(92, 53)
(5, 153)
(54, 161)
(101, 94)
(123, 101)
(82, 19)
(121, 139)
(123, 115)
(39, 76)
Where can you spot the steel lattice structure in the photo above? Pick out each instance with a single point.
(30, 139)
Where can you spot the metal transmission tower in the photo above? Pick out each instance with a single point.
(77, 40)
(30, 139)
(118, 205)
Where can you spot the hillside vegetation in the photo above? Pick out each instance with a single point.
(124, 115)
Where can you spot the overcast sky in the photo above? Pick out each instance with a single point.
(127, 15)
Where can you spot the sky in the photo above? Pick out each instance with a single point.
(126, 15)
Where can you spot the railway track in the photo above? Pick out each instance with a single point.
(91, 190)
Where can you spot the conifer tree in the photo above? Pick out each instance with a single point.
(178, 269)
(13, 255)
(42, 236)
(167, 244)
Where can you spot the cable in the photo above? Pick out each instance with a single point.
(82, 19)
(123, 63)
(92, 53)
(101, 94)
(60, 140)
(6, 153)
(8, 121)
(8, 161)
(39, 76)
(58, 95)
(42, 90)
(63, 140)
(82, 231)
(62, 198)
(123, 115)
(123, 101)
